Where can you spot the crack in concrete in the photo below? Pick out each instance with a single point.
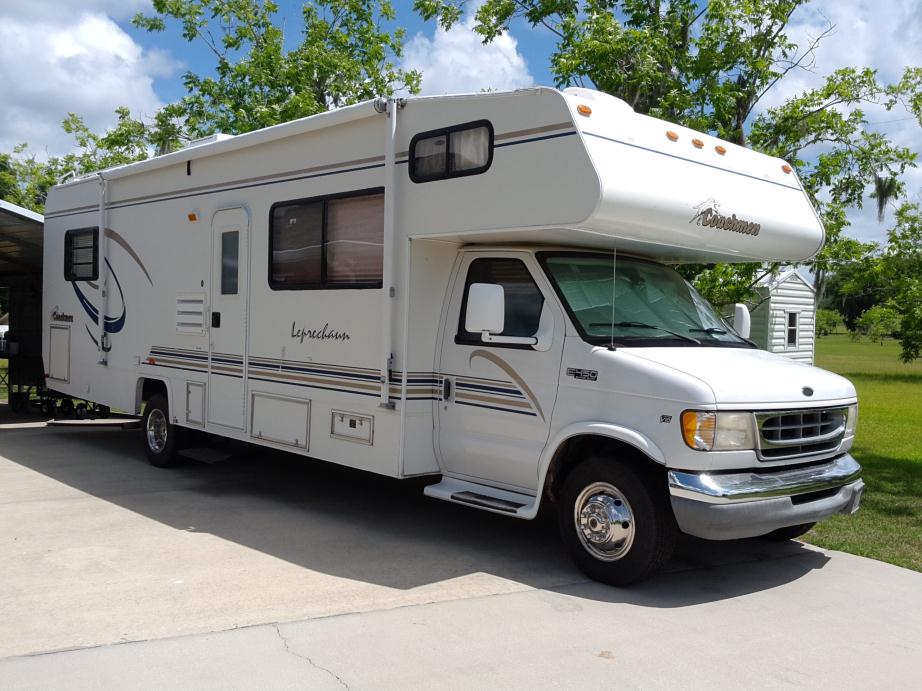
(309, 661)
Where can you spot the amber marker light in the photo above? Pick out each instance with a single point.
(192, 218)
(719, 149)
(697, 143)
(584, 110)
(786, 168)
(699, 429)
(672, 136)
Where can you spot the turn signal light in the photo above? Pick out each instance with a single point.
(699, 429)
(584, 110)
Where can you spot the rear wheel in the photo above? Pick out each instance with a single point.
(160, 436)
(616, 522)
(791, 532)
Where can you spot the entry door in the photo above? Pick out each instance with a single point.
(495, 422)
(228, 326)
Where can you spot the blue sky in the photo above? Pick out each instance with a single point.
(83, 56)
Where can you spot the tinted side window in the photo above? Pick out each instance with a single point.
(451, 152)
(523, 298)
(230, 253)
(81, 255)
(334, 242)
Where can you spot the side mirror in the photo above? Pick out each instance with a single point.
(486, 308)
(741, 319)
(486, 313)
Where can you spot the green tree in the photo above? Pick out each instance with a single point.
(343, 57)
(827, 322)
(709, 65)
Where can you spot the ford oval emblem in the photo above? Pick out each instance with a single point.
(807, 391)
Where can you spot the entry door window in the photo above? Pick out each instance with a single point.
(524, 300)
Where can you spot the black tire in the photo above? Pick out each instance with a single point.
(636, 549)
(791, 532)
(48, 408)
(161, 437)
(67, 407)
(80, 411)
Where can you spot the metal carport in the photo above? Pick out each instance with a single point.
(21, 241)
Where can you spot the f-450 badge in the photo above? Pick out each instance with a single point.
(584, 374)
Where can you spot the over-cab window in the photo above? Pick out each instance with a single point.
(81, 254)
(329, 242)
(523, 298)
(451, 152)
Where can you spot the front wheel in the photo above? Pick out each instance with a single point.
(616, 522)
(160, 442)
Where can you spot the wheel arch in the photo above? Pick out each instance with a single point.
(149, 386)
(582, 440)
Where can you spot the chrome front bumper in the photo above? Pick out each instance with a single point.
(735, 505)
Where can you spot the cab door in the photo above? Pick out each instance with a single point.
(228, 327)
(497, 399)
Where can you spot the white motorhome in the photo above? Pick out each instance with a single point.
(474, 288)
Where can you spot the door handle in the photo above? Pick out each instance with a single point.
(446, 388)
(215, 320)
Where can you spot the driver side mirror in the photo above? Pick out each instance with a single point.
(486, 314)
(741, 319)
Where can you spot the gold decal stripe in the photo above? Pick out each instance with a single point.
(508, 369)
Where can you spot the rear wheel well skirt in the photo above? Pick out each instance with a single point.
(578, 442)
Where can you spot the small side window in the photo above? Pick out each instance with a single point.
(230, 251)
(451, 152)
(81, 255)
(524, 300)
(791, 329)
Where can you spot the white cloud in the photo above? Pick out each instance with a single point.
(885, 35)
(59, 57)
(456, 61)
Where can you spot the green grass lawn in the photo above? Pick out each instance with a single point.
(3, 392)
(889, 447)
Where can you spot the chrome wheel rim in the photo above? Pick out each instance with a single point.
(604, 521)
(156, 430)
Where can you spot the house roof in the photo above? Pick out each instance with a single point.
(789, 273)
(21, 236)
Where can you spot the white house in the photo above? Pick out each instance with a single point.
(784, 322)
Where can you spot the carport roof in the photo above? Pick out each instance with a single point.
(20, 241)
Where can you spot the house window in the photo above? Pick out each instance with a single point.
(791, 330)
(524, 300)
(230, 252)
(81, 254)
(330, 242)
(451, 152)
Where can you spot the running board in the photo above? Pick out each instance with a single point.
(484, 497)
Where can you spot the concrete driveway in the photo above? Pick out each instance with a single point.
(268, 570)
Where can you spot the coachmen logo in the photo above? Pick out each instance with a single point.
(708, 216)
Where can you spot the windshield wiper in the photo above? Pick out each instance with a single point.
(713, 330)
(642, 325)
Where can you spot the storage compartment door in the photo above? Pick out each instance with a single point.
(59, 353)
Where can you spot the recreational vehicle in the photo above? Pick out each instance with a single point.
(475, 288)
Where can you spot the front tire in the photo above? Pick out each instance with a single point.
(616, 522)
(160, 436)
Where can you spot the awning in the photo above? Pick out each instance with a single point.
(21, 235)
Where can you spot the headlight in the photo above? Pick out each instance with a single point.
(851, 420)
(724, 431)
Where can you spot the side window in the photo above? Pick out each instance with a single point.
(523, 298)
(791, 329)
(81, 254)
(334, 242)
(230, 252)
(451, 152)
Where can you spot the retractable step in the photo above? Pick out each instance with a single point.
(483, 497)
(205, 455)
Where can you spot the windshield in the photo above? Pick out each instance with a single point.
(650, 305)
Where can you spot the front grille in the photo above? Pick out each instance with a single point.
(794, 433)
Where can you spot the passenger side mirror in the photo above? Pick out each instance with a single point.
(741, 319)
(486, 314)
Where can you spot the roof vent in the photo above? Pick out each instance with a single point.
(210, 139)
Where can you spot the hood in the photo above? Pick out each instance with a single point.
(748, 376)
